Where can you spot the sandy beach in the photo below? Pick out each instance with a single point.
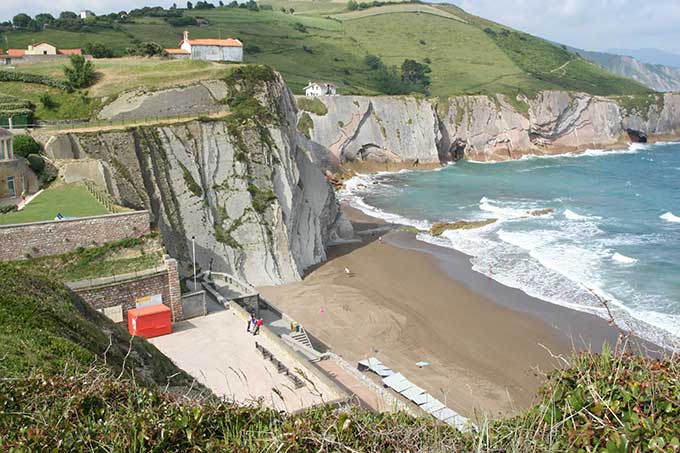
(406, 301)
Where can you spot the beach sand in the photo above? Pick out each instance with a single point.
(407, 301)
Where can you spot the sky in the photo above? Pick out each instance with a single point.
(587, 24)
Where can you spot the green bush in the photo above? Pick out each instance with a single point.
(12, 76)
(47, 101)
(5, 209)
(25, 145)
(36, 162)
(313, 105)
(81, 72)
(305, 124)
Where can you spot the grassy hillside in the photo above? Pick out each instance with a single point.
(44, 326)
(323, 40)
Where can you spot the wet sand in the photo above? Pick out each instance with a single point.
(407, 301)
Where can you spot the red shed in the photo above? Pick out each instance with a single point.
(149, 322)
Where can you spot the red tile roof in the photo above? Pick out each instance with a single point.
(216, 42)
(16, 52)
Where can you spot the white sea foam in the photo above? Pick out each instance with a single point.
(571, 215)
(670, 217)
(563, 262)
(623, 259)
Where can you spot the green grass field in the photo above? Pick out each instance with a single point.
(71, 200)
(322, 40)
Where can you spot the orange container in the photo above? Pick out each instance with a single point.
(149, 322)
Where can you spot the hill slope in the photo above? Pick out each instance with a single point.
(45, 326)
(323, 40)
(655, 76)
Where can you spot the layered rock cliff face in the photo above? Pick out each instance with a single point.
(252, 198)
(409, 132)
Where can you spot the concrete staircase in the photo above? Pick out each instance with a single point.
(302, 338)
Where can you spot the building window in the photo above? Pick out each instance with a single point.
(11, 189)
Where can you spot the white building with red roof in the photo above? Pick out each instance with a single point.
(36, 52)
(229, 49)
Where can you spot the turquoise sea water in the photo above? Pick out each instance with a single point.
(613, 233)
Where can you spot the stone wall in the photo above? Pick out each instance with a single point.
(57, 237)
(124, 291)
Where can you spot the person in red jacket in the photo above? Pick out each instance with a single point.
(258, 323)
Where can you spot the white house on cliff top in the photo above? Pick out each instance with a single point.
(208, 49)
(320, 89)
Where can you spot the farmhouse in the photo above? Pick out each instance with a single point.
(16, 177)
(320, 89)
(85, 14)
(36, 52)
(208, 49)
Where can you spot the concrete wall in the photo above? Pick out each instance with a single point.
(57, 237)
(123, 291)
(216, 53)
(28, 59)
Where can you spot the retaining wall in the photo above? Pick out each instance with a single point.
(116, 295)
(55, 237)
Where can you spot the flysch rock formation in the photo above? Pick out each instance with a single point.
(364, 129)
(410, 132)
(250, 195)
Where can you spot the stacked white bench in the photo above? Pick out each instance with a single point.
(428, 403)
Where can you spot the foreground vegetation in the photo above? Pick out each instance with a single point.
(66, 383)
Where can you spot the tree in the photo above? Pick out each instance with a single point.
(68, 15)
(190, 5)
(81, 72)
(373, 61)
(415, 73)
(98, 50)
(44, 19)
(352, 5)
(221, 4)
(21, 20)
(25, 145)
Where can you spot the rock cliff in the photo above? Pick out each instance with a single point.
(405, 132)
(242, 185)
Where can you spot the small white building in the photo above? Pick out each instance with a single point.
(320, 89)
(85, 14)
(229, 49)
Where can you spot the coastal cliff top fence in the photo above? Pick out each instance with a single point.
(55, 237)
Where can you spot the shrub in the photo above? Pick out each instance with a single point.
(47, 101)
(5, 209)
(147, 49)
(25, 145)
(36, 162)
(24, 77)
(180, 21)
(313, 105)
(81, 72)
(300, 27)
(305, 124)
(98, 50)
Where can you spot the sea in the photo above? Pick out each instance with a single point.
(597, 231)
